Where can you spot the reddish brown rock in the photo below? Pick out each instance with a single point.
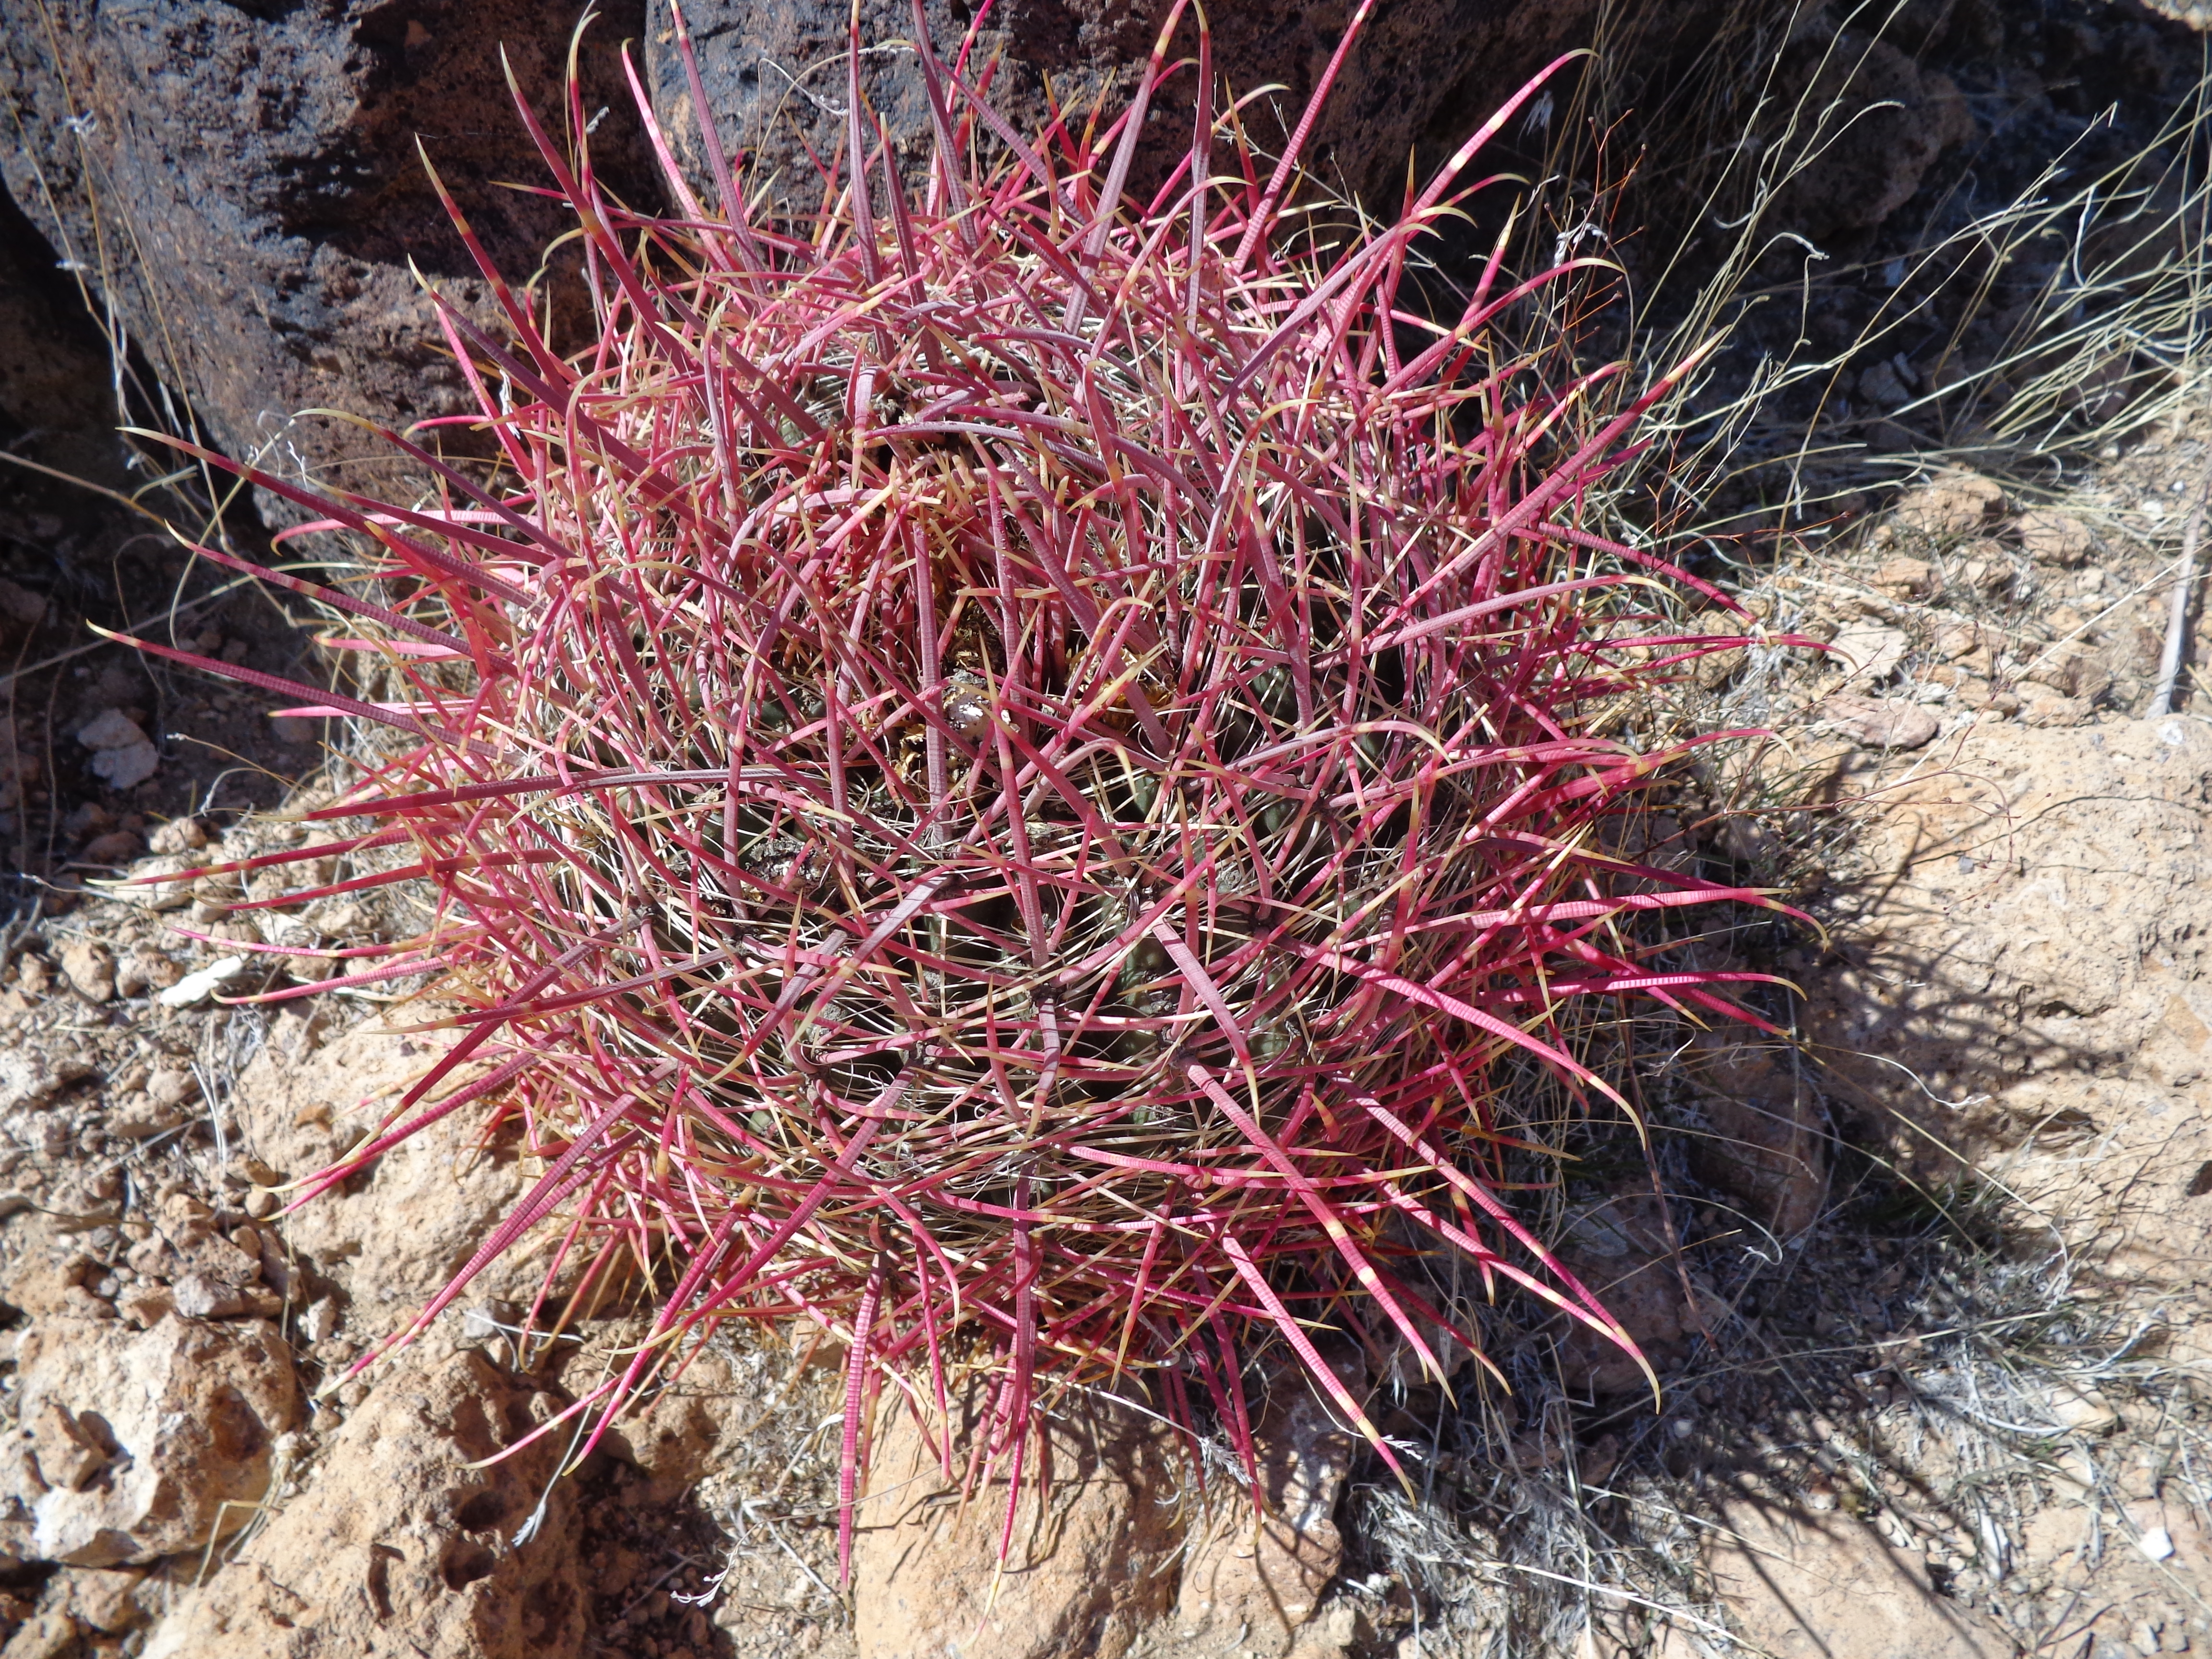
(2047, 705)
(31, 1077)
(2050, 536)
(2074, 669)
(398, 1236)
(404, 1542)
(2032, 983)
(108, 1599)
(1881, 722)
(1905, 578)
(1951, 505)
(1867, 653)
(1088, 1572)
(1253, 1582)
(1766, 1145)
(1621, 1251)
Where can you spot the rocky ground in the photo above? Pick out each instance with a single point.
(1925, 1291)
(1924, 1284)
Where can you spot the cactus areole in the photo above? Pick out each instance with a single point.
(998, 767)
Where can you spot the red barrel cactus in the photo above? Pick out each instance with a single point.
(1002, 769)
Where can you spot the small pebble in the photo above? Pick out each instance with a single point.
(195, 988)
(178, 835)
(89, 967)
(117, 846)
(198, 1295)
(173, 1086)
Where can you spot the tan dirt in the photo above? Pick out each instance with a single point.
(2009, 1003)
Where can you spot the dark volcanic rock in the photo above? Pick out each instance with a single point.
(1891, 119)
(56, 405)
(1423, 74)
(240, 183)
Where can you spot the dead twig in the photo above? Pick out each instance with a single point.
(2177, 617)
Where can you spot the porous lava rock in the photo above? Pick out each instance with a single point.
(404, 1542)
(1891, 119)
(240, 184)
(401, 1231)
(56, 399)
(1423, 74)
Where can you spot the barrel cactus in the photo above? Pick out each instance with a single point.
(1006, 770)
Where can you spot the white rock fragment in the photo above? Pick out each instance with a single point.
(112, 729)
(320, 1322)
(145, 1445)
(1881, 722)
(195, 988)
(178, 835)
(123, 755)
(2157, 1543)
(125, 768)
(2082, 1410)
(200, 1296)
(151, 883)
(1868, 653)
(174, 1086)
